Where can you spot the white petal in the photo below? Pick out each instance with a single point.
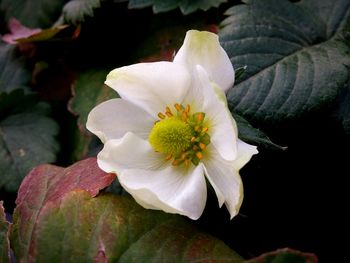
(245, 153)
(224, 176)
(113, 118)
(222, 127)
(226, 182)
(151, 86)
(203, 48)
(172, 189)
(129, 152)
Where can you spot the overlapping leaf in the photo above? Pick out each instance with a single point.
(57, 220)
(89, 91)
(13, 71)
(34, 13)
(186, 6)
(27, 137)
(75, 11)
(295, 55)
(249, 134)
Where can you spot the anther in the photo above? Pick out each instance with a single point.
(187, 162)
(200, 116)
(167, 109)
(161, 115)
(202, 146)
(168, 157)
(184, 116)
(199, 155)
(169, 114)
(175, 162)
(193, 139)
(196, 128)
(178, 107)
(187, 110)
(205, 129)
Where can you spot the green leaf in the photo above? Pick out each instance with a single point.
(186, 6)
(249, 134)
(57, 220)
(89, 91)
(13, 71)
(284, 255)
(46, 185)
(27, 137)
(75, 11)
(4, 239)
(295, 55)
(34, 13)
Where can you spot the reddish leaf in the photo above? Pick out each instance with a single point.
(285, 255)
(21, 34)
(18, 31)
(48, 184)
(57, 220)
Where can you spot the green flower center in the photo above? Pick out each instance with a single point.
(181, 136)
(171, 136)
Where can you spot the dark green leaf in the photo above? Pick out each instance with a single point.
(27, 137)
(239, 72)
(58, 220)
(13, 71)
(296, 58)
(33, 13)
(186, 6)
(89, 91)
(4, 240)
(75, 11)
(285, 255)
(249, 134)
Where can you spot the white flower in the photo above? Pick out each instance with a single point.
(171, 129)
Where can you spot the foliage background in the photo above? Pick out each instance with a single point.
(294, 89)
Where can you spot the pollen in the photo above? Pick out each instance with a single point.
(180, 135)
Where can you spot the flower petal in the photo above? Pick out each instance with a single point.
(224, 176)
(222, 126)
(172, 189)
(245, 153)
(203, 48)
(113, 118)
(129, 152)
(151, 86)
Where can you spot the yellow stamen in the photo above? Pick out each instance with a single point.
(193, 139)
(202, 146)
(199, 155)
(205, 129)
(200, 116)
(196, 128)
(169, 114)
(187, 162)
(178, 107)
(168, 157)
(167, 109)
(175, 162)
(161, 115)
(187, 110)
(184, 116)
